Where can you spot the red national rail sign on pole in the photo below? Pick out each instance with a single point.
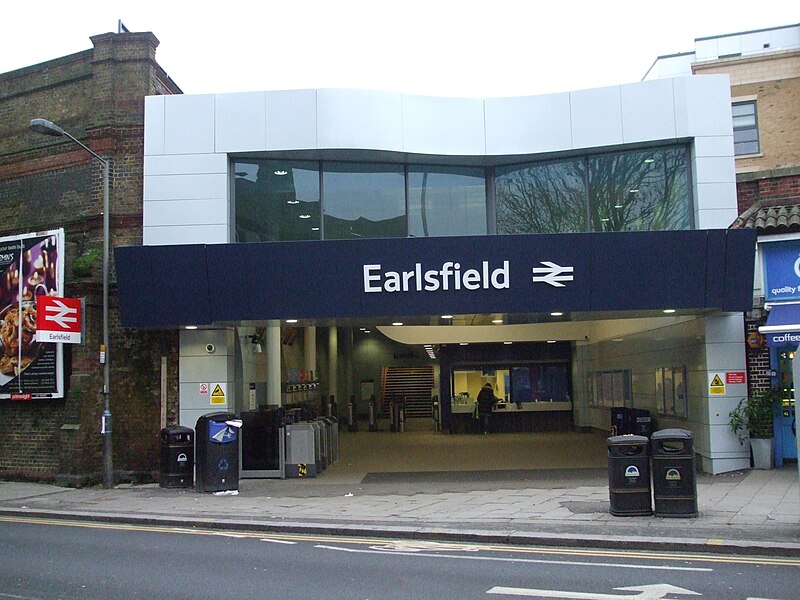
(58, 320)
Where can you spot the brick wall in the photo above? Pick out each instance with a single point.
(780, 189)
(758, 367)
(47, 183)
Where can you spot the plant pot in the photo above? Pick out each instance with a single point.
(762, 453)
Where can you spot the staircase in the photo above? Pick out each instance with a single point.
(412, 383)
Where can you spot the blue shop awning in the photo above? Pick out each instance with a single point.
(783, 325)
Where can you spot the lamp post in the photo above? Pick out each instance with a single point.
(49, 128)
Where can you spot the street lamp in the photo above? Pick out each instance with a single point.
(49, 128)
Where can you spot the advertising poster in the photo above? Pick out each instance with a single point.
(31, 265)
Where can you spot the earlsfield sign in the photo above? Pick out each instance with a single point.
(448, 276)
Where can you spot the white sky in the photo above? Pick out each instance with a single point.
(435, 47)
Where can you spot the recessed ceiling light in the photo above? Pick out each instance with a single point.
(508, 343)
(463, 343)
(618, 206)
(447, 316)
(291, 320)
(498, 321)
(367, 331)
(634, 191)
(305, 216)
(606, 220)
(649, 160)
(191, 327)
(669, 311)
(315, 229)
(362, 328)
(551, 341)
(556, 314)
(281, 173)
(293, 202)
(397, 323)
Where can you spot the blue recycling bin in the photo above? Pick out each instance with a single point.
(217, 452)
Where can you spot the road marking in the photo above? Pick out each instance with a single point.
(508, 548)
(274, 541)
(536, 561)
(648, 592)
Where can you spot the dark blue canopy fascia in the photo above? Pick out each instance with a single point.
(169, 286)
(783, 325)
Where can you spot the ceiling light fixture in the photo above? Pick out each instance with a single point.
(191, 327)
(497, 321)
(281, 173)
(669, 311)
(291, 320)
(305, 216)
(447, 316)
(508, 343)
(556, 314)
(649, 160)
(397, 323)
(293, 202)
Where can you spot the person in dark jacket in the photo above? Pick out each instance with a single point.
(486, 401)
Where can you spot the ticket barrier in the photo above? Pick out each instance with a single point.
(311, 447)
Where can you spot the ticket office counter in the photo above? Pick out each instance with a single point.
(526, 417)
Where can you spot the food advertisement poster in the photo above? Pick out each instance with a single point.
(31, 265)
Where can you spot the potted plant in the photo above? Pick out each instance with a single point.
(752, 418)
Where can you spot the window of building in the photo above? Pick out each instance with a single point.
(541, 197)
(277, 200)
(640, 190)
(364, 200)
(445, 201)
(745, 128)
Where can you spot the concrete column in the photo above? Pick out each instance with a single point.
(206, 361)
(333, 363)
(273, 350)
(725, 353)
(347, 352)
(310, 350)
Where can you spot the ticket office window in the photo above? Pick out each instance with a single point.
(533, 382)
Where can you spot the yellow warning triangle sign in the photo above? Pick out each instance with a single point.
(218, 391)
(716, 382)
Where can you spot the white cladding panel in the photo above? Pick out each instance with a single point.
(528, 124)
(444, 125)
(240, 122)
(648, 111)
(358, 119)
(291, 120)
(596, 117)
(189, 124)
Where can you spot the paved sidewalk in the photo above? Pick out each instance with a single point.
(751, 511)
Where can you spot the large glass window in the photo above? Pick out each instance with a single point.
(364, 200)
(541, 198)
(641, 190)
(277, 200)
(745, 128)
(446, 201)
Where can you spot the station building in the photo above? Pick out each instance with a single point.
(570, 249)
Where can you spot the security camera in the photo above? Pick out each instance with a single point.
(210, 348)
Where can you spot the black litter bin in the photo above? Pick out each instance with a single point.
(674, 481)
(629, 476)
(621, 420)
(641, 423)
(217, 454)
(177, 457)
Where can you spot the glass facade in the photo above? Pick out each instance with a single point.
(633, 190)
(642, 190)
(446, 201)
(277, 200)
(542, 198)
(364, 200)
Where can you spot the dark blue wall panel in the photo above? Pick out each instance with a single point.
(182, 285)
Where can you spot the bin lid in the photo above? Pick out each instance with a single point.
(177, 429)
(624, 440)
(672, 434)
